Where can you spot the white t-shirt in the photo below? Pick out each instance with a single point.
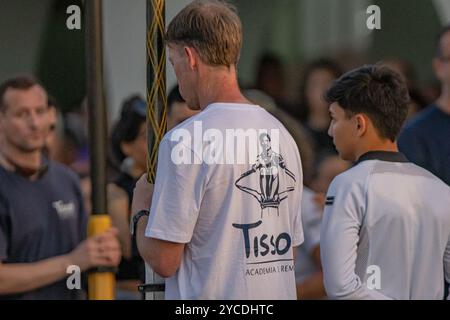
(386, 231)
(237, 210)
(305, 266)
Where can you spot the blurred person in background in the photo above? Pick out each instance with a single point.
(270, 79)
(54, 139)
(416, 104)
(406, 70)
(129, 145)
(308, 266)
(317, 78)
(177, 109)
(425, 140)
(42, 217)
(76, 136)
(62, 146)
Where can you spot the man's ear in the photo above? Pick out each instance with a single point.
(361, 123)
(192, 57)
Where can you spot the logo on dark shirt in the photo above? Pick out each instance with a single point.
(64, 210)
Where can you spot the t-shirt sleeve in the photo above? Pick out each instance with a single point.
(339, 238)
(4, 229)
(177, 196)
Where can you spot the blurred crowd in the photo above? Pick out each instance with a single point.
(307, 119)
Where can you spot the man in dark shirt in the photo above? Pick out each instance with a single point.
(425, 140)
(42, 217)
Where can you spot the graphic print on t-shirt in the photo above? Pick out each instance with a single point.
(267, 166)
(268, 243)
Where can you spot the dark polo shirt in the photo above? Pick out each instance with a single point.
(41, 219)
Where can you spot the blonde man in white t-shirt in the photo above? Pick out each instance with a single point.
(210, 231)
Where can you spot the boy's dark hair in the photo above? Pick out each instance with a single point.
(23, 82)
(376, 91)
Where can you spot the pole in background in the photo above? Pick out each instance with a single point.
(101, 281)
(156, 110)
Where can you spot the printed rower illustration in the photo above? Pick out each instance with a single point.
(268, 166)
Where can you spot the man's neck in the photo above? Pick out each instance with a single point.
(219, 84)
(12, 158)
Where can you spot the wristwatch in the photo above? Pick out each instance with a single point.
(135, 220)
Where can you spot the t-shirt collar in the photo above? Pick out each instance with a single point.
(37, 174)
(383, 156)
(230, 104)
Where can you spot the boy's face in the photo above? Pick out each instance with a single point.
(343, 130)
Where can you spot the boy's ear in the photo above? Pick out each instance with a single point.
(361, 123)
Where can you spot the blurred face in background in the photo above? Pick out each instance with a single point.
(271, 80)
(179, 112)
(52, 142)
(441, 64)
(328, 169)
(24, 120)
(137, 149)
(317, 84)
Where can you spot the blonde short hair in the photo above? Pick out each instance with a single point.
(212, 27)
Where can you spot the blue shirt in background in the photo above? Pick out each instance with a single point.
(425, 140)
